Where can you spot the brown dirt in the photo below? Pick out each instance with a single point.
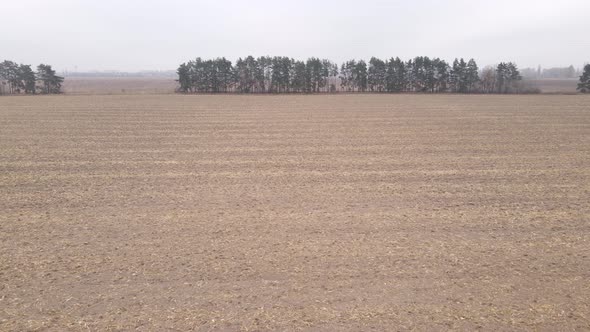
(252, 213)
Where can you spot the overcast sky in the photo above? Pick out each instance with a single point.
(158, 35)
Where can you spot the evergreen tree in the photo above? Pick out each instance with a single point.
(429, 75)
(471, 75)
(501, 77)
(298, 77)
(315, 74)
(281, 68)
(377, 75)
(441, 68)
(224, 71)
(459, 78)
(255, 79)
(51, 83)
(410, 76)
(10, 73)
(417, 74)
(196, 75)
(360, 75)
(15, 78)
(27, 79)
(584, 85)
(263, 73)
(245, 74)
(507, 76)
(347, 80)
(184, 79)
(332, 75)
(396, 79)
(513, 76)
(326, 72)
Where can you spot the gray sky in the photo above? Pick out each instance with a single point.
(142, 34)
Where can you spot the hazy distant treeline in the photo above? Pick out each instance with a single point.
(18, 78)
(557, 73)
(286, 75)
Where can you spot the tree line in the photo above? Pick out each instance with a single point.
(555, 72)
(256, 75)
(18, 78)
(287, 75)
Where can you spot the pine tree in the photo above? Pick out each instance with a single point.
(513, 76)
(10, 73)
(507, 76)
(584, 85)
(183, 80)
(417, 74)
(254, 79)
(224, 70)
(462, 77)
(246, 74)
(51, 83)
(441, 68)
(501, 77)
(360, 74)
(377, 75)
(429, 73)
(27, 79)
(396, 80)
(409, 68)
(347, 79)
(315, 74)
(298, 77)
(472, 75)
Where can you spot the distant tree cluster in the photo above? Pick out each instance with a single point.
(287, 75)
(584, 85)
(18, 78)
(256, 75)
(556, 73)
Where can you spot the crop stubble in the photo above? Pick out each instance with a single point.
(294, 212)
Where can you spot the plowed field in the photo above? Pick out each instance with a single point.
(345, 212)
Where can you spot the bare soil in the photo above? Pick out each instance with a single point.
(356, 212)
